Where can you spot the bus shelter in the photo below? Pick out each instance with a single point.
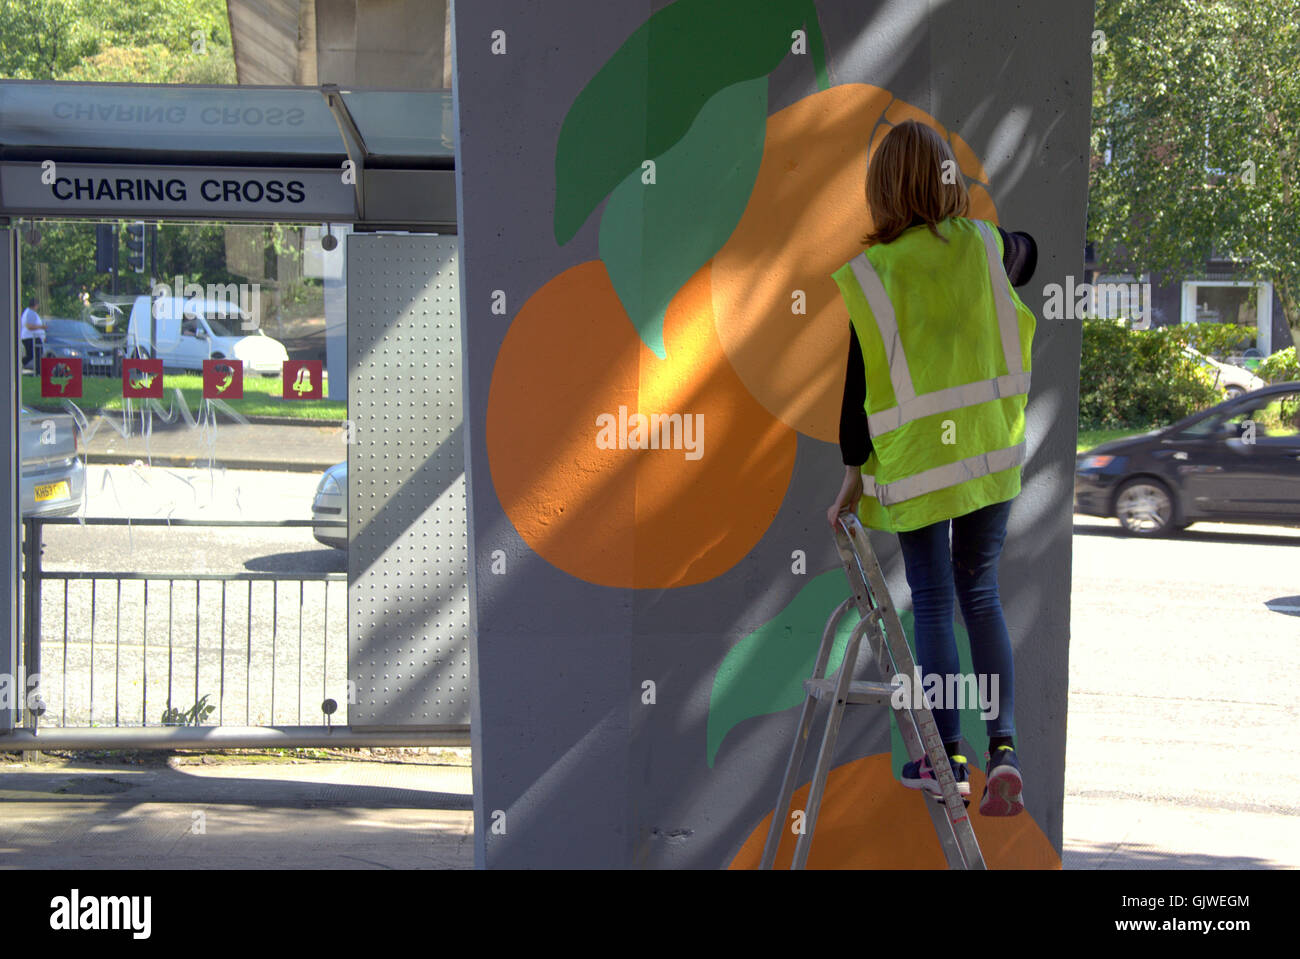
(371, 174)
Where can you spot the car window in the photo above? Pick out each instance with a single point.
(1275, 416)
(190, 325)
(1201, 428)
(1281, 418)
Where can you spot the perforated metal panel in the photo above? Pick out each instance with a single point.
(408, 601)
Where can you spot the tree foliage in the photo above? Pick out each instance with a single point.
(142, 41)
(1195, 143)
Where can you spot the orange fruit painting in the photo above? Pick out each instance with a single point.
(571, 378)
(868, 820)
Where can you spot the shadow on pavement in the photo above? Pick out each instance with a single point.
(323, 560)
(1097, 856)
(1284, 537)
(1286, 605)
(168, 785)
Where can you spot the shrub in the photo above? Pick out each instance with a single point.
(1138, 378)
(1281, 367)
(1218, 339)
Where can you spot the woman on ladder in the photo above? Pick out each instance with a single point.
(932, 428)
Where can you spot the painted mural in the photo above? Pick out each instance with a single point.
(653, 198)
(646, 407)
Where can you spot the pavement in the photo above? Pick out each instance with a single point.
(316, 814)
(280, 446)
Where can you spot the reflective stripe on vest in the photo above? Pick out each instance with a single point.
(941, 477)
(912, 407)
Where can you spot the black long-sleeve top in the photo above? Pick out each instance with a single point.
(1020, 258)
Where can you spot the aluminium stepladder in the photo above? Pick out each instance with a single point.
(916, 723)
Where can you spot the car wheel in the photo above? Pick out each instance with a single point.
(1234, 391)
(1145, 508)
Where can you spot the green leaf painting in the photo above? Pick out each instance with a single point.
(764, 672)
(644, 99)
(654, 236)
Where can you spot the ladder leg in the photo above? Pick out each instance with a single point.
(831, 733)
(775, 831)
(956, 834)
(777, 827)
(958, 854)
(804, 845)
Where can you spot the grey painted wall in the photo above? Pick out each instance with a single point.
(570, 768)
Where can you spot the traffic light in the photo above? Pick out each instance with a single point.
(135, 246)
(105, 247)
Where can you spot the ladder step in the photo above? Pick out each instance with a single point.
(860, 693)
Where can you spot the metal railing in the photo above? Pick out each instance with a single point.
(198, 622)
(189, 637)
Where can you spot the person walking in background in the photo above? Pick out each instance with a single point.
(31, 331)
(932, 422)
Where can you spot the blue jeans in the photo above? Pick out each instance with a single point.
(972, 567)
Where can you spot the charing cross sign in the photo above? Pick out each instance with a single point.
(228, 192)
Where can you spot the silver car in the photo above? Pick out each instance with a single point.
(53, 479)
(1233, 380)
(331, 504)
(100, 354)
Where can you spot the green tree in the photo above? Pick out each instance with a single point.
(144, 41)
(44, 39)
(1194, 138)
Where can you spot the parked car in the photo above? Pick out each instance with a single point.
(100, 353)
(190, 331)
(53, 480)
(1233, 380)
(1224, 464)
(331, 503)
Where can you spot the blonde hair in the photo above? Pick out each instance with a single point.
(905, 182)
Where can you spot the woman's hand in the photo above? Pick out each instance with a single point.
(850, 493)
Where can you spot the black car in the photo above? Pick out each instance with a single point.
(1237, 462)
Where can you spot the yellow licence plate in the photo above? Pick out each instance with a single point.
(49, 491)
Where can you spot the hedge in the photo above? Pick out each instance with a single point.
(1140, 379)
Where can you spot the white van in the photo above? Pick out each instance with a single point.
(191, 330)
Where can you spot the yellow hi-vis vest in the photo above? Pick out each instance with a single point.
(946, 344)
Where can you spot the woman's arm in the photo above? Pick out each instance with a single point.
(855, 437)
(1019, 256)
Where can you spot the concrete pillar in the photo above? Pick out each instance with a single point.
(361, 43)
(644, 617)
